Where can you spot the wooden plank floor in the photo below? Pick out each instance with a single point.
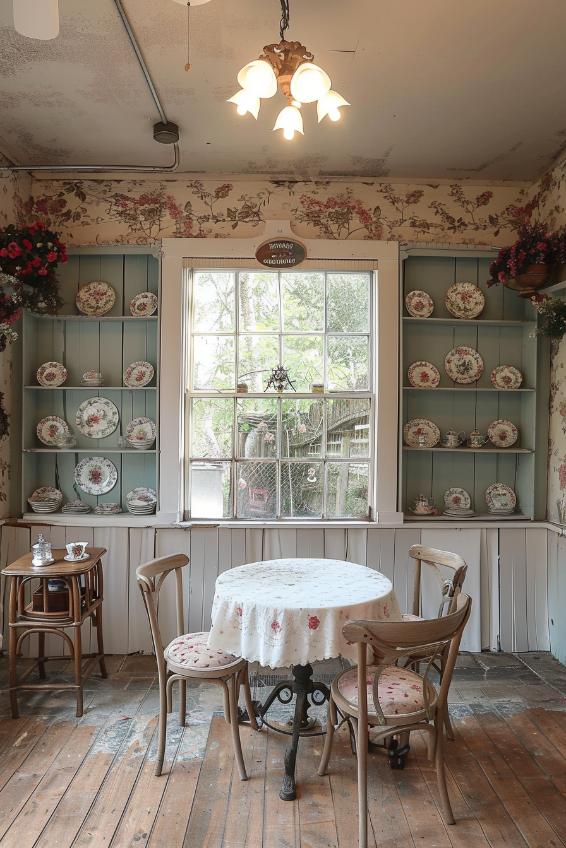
(90, 782)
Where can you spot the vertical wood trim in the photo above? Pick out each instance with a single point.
(142, 549)
(536, 588)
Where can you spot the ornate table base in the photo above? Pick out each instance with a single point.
(301, 687)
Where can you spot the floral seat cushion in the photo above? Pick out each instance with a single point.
(191, 651)
(400, 690)
(409, 616)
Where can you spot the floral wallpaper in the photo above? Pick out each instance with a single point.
(92, 211)
(548, 200)
(99, 211)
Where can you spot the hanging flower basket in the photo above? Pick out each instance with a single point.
(531, 262)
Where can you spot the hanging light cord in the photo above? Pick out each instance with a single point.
(284, 23)
(188, 65)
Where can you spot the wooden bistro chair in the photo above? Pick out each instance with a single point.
(393, 700)
(450, 571)
(187, 657)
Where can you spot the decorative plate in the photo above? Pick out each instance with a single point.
(46, 493)
(419, 304)
(142, 493)
(51, 430)
(96, 298)
(500, 496)
(502, 433)
(423, 375)
(97, 417)
(463, 364)
(51, 374)
(96, 475)
(141, 430)
(138, 374)
(506, 377)
(421, 433)
(464, 300)
(456, 498)
(143, 304)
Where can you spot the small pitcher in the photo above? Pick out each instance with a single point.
(477, 439)
(452, 439)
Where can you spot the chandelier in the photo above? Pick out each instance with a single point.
(287, 66)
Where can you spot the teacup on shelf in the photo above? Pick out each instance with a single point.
(423, 505)
(477, 439)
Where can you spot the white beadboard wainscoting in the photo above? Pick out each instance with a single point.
(516, 575)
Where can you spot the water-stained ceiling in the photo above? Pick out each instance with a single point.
(440, 89)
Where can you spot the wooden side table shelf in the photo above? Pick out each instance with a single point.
(30, 611)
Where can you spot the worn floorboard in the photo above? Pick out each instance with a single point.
(74, 783)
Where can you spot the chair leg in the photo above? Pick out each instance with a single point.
(331, 721)
(362, 756)
(441, 772)
(12, 657)
(169, 699)
(77, 661)
(234, 726)
(100, 642)
(182, 702)
(164, 692)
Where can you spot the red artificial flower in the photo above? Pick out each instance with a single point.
(52, 256)
(27, 244)
(314, 621)
(14, 250)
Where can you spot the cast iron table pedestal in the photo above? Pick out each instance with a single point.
(301, 686)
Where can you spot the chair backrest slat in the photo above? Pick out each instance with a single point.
(450, 587)
(151, 577)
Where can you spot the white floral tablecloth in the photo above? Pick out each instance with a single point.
(285, 612)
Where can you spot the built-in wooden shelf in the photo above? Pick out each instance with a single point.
(489, 322)
(96, 318)
(464, 389)
(93, 388)
(484, 516)
(95, 450)
(468, 450)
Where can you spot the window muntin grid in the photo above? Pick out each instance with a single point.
(252, 461)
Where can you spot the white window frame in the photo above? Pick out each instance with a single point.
(176, 256)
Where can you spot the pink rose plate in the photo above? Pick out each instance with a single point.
(423, 375)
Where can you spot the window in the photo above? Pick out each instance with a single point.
(267, 455)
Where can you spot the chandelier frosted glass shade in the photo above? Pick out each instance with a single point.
(290, 121)
(330, 105)
(309, 83)
(245, 102)
(258, 78)
(37, 19)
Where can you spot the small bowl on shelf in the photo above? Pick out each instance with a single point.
(91, 378)
(141, 444)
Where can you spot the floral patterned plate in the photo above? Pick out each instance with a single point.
(52, 430)
(419, 304)
(143, 304)
(500, 497)
(97, 417)
(423, 375)
(138, 374)
(141, 430)
(502, 433)
(96, 298)
(506, 377)
(464, 300)
(142, 493)
(96, 475)
(51, 374)
(456, 498)
(46, 493)
(421, 433)
(463, 364)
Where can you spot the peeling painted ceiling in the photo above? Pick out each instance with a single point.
(439, 90)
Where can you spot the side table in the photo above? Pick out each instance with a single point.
(30, 611)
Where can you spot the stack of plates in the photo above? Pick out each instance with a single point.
(91, 378)
(46, 499)
(138, 444)
(107, 508)
(76, 507)
(459, 513)
(141, 501)
(501, 511)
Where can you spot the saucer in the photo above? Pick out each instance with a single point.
(76, 559)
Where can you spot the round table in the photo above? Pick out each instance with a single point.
(291, 612)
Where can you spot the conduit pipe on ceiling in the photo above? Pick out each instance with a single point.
(148, 169)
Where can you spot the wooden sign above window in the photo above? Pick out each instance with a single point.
(281, 253)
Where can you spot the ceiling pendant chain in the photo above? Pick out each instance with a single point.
(284, 23)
